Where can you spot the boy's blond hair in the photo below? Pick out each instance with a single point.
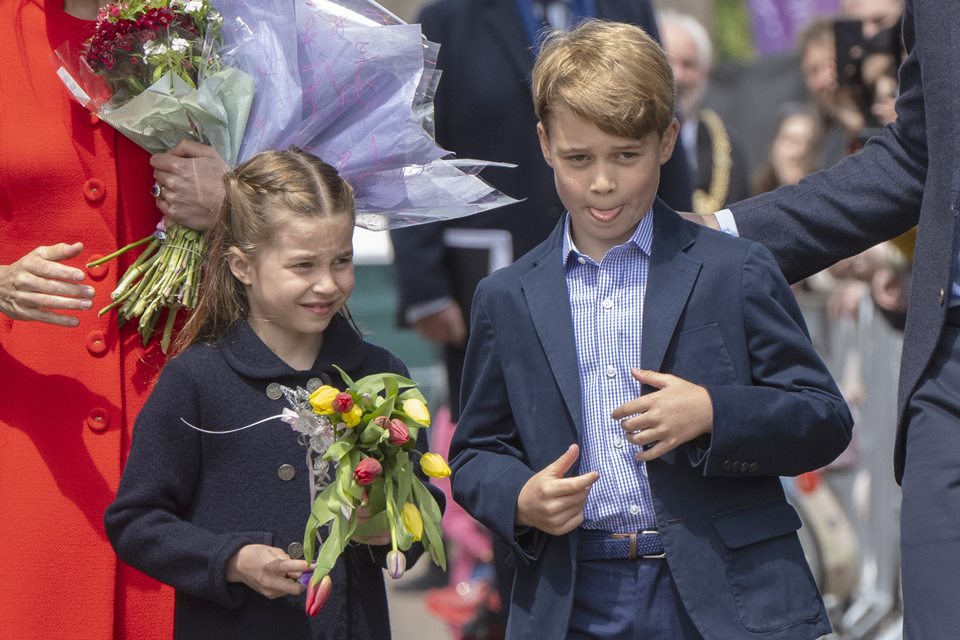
(609, 73)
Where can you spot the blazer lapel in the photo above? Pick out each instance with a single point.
(545, 289)
(505, 23)
(669, 283)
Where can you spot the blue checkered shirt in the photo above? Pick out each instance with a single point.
(606, 303)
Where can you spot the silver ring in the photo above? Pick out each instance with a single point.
(156, 190)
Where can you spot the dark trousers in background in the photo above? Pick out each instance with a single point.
(628, 599)
(930, 515)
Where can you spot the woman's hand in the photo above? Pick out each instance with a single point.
(363, 514)
(37, 283)
(191, 177)
(267, 570)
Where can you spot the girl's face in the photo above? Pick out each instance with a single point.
(297, 282)
(792, 147)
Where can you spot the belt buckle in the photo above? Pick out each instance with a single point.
(652, 556)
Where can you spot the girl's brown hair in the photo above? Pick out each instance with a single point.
(260, 193)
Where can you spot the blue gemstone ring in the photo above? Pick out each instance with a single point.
(156, 190)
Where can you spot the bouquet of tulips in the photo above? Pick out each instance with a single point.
(366, 437)
(152, 69)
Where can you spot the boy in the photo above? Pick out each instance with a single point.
(675, 524)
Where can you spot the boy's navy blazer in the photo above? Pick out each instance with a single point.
(717, 312)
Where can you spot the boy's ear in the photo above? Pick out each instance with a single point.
(544, 143)
(240, 265)
(668, 140)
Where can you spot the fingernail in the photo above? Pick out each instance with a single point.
(88, 291)
(86, 304)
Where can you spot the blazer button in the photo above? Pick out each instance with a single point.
(100, 271)
(753, 467)
(943, 297)
(93, 190)
(286, 472)
(96, 343)
(744, 467)
(274, 392)
(295, 550)
(98, 420)
(313, 384)
(726, 465)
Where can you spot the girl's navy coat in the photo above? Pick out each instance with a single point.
(188, 501)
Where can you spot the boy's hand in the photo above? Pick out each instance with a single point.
(677, 412)
(267, 570)
(552, 503)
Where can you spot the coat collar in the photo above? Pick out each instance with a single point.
(246, 353)
(670, 280)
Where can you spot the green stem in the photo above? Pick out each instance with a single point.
(120, 252)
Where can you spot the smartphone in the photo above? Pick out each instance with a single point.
(848, 36)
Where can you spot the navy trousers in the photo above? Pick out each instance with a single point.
(930, 516)
(628, 600)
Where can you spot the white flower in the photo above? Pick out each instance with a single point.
(154, 48)
(193, 6)
(179, 44)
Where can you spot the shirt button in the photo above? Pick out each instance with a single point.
(313, 384)
(99, 271)
(581, 260)
(98, 420)
(286, 472)
(608, 304)
(93, 190)
(295, 550)
(618, 443)
(611, 371)
(634, 509)
(274, 392)
(96, 343)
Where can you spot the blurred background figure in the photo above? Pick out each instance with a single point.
(716, 160)
(794, 149)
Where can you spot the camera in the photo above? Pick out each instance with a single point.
(867, 66)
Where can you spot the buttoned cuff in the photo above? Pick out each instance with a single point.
(727, 224)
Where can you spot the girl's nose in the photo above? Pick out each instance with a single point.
(324, 284)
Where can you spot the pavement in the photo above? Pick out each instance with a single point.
(409, 619)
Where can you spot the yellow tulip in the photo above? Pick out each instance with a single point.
(434, 465)
(322, 399)
(352, 418)
(412, 521)
(417, 410)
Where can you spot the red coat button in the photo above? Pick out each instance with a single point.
(100, 271)
(93, 190)
(98, 420)
(96, 343)
(94, 119)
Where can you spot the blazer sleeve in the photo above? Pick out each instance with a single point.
(146, 523)
(792, 418)
(867, 198)
(486, 454)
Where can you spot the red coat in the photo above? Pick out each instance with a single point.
(68, 396)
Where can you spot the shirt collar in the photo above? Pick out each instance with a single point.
(642, 238)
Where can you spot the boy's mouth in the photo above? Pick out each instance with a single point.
(605, 215)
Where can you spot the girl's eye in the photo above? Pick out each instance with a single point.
(342, 260)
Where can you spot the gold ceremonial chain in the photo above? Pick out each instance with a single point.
(705, 202)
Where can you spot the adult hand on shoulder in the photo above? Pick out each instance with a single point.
(552, 503)
(191, 177)
(677, 412)
(267, 570)
(446, 326)
(37, 283)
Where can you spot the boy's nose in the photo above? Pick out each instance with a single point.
(602, 183)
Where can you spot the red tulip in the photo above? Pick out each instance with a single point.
(367, 471)
(399, 434)
(317, 595)
(343, 402)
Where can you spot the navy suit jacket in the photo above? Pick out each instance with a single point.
(717, 312)
(907, 176)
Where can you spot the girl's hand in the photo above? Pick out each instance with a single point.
(267, 570)
(363, 514)
(191, 175)
(37, 283)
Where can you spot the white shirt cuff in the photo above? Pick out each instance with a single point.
(727, 224)
(418, 312)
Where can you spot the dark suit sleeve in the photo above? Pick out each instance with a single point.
(869, 197)
(146, 524)
(792, 418)
(487, 460)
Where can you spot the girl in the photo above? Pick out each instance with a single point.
(221, 517)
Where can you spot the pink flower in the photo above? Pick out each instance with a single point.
(343, 402)
(367, 471)
(399, 434)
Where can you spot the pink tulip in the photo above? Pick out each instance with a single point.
(399, 434)
(367, 471)
(343, 402)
